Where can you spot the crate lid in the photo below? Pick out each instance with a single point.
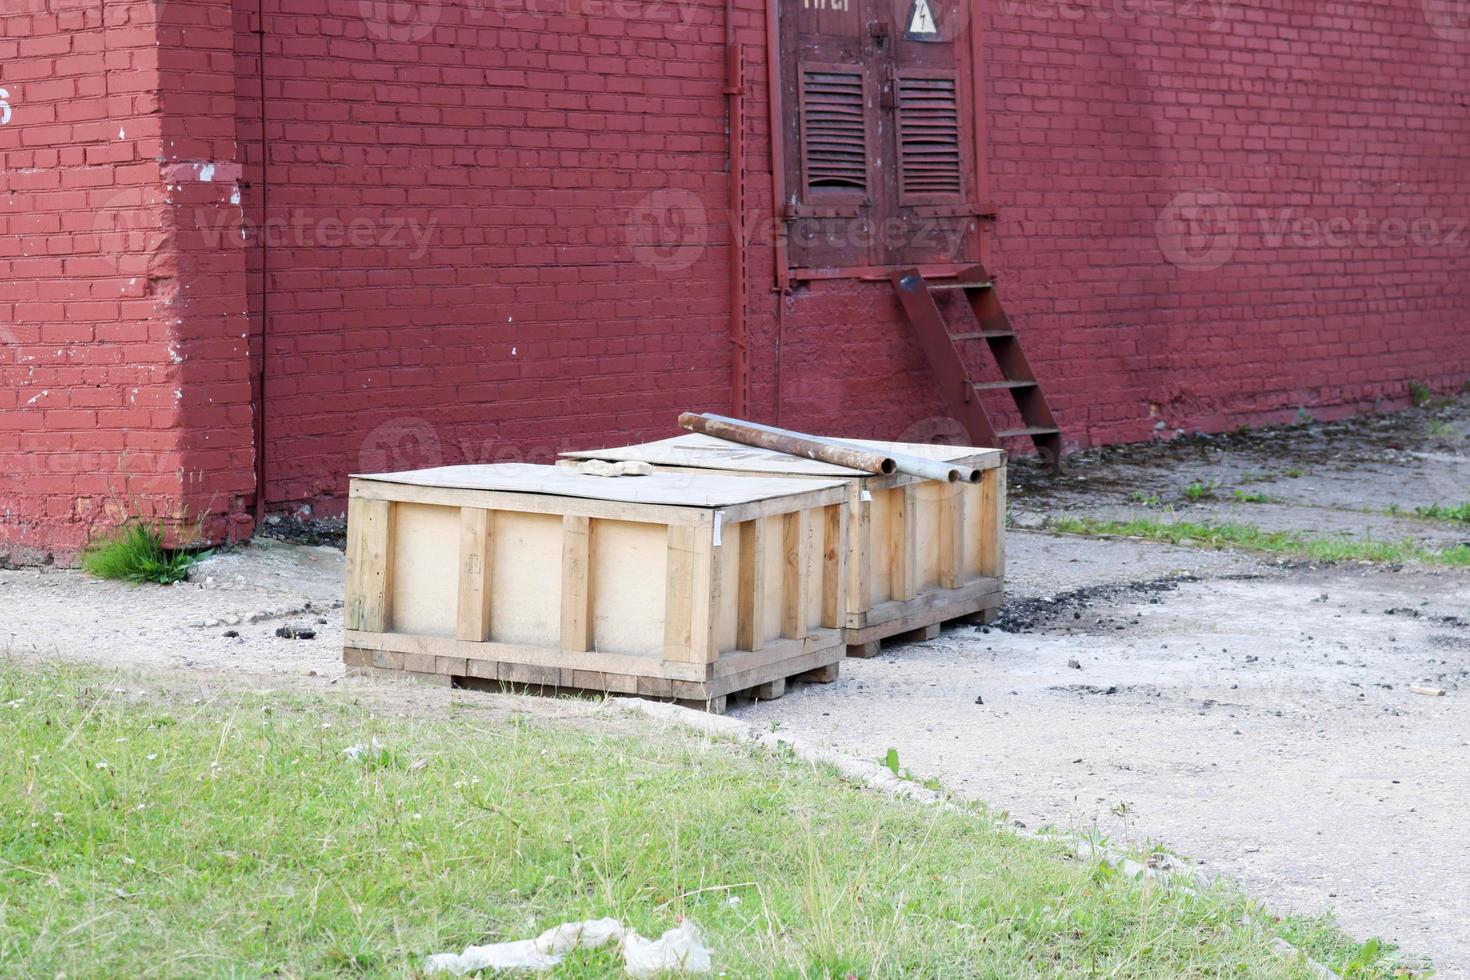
(668, 489)
(708, 452)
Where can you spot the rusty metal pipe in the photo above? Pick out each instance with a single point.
(786, 441)
(920, 466)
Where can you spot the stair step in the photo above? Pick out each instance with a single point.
(1030, 430)
(982, 334)
(998, 385)
(961, 285)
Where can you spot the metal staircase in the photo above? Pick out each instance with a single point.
(946, 354)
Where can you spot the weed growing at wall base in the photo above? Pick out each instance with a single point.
(135, 553)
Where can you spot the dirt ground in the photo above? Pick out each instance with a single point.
(1249, 713)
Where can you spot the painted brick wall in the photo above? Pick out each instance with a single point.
(110, 387)
(497, 228)
(1168, 175)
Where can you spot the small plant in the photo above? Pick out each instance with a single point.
(890, 759)
(1293, 473)
(1196, 492)
(1147, 499)
(135, 553)
(1420, 394)
(1251, 497)
(1459, 514)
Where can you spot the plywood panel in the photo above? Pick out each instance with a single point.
(425, 569)
(628, 582)
(772, 570)
(880, 547)
(525, 567)
(929, 498)
(976, 528)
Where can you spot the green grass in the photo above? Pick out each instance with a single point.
(1456, 513)
(135, 553)
(1201, 491)
(1252, 497)
(146, 836)
(1248, 537)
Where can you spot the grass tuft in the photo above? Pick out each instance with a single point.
(143, 836)
(1248, 537)
(135, 553)
(1456, 514)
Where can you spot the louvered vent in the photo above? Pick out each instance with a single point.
(928, 137)
(834, 131)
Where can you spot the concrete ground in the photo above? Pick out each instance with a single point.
(1250, 713)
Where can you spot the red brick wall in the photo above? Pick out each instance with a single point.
(541, 145)
(111, 389)
(497, 228)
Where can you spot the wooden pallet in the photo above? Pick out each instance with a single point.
(532, 576)
(920, 552)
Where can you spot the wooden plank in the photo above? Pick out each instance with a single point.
(749, 609)
(952, 535)
(691, 592)
(796, 553)
(473, 619)
(859, 553)
(834, 566)
(904, 568)
(532, 503)
(518, 653)
(992, 523)
(369, 566)
(576, 583)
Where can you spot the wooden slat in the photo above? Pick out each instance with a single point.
(992, 523)
(904, 571)
(796, 545)
(369, 566)
(860, 551)
(952, 535)
(834, 566)
(749, 604)
(473, 619)
(576, 583)
(691, 595)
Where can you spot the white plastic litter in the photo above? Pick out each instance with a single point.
(680, 950)
(360, 750)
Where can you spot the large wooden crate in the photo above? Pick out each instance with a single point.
(669, 586)
(921, 552)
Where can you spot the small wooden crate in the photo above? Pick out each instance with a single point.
(669, 586)
(921, 552)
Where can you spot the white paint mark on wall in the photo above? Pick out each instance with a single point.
(36, 398)
(122, 133)
(4, 107)
(206, 172)
(235, 196)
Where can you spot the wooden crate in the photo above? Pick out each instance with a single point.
(670, 586)
(921, 552)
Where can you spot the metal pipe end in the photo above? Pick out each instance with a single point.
(973, 476)
(954, 476)
(889, 467)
